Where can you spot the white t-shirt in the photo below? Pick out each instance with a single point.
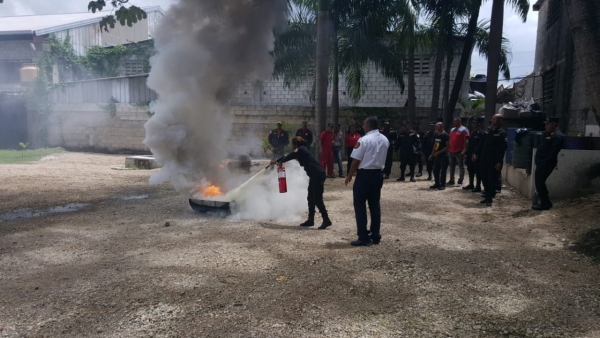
(371, 151)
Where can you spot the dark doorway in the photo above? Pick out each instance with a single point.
(13, 121)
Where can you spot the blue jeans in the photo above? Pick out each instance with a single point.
(337, 158)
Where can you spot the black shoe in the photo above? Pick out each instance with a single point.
(376, 240)
(442, 187)
(451, 182)
(477, 189)
(483, 201)
(541, 207)
(309, 223)
(386, 177)
(412, 179)
(326, 223)
(460, 181)
(469, 187)
(419, 174)
(401, 179)
(410, 174)
(488, 203)
(429, 178)
(435, 186)
(358, 242)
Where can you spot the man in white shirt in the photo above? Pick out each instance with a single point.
(368, 160)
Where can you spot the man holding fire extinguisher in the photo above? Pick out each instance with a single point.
(316, 183)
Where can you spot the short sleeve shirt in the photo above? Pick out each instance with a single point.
(440, 141)
(458, 138)
(371, 151)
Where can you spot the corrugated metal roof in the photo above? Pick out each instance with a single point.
(46, 24)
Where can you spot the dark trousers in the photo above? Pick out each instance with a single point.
(542, 172)
(277, 153)
(348, 153)
(419, 161)
(388, 161)
(367, 189)
(490, 178)
(474, 175)
(407, 159)
(315, 194)
(440, 166)
(429, 163)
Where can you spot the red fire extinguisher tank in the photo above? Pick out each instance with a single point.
(282, 181)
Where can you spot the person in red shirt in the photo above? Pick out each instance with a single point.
(326, 139)
(350, 142)
(459, 142)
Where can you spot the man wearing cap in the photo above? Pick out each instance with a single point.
(368, 161)
(326, 139)
(392, 137)
(427, 145)
(474, 139)
(357, 127)
(408, 145)
(546, 158)
(338, 145)
(419, 155)
(306, 134)
(490, 154)
(278, 139)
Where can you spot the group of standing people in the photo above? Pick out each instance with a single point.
(369, 157)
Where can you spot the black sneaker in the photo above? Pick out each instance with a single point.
(477, 189)
(376, 240)
(412, 179)
(450, 182)
(460, 181)
(429, 178)
(358, 242)
(401, 179)
(419, 174)
(435, 186)
(469, 187)
(442, 187)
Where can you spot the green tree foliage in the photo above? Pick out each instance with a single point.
(125, 15)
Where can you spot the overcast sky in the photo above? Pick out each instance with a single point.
(522, 35)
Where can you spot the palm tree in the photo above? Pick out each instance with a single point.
(584, 21)
(322, 64)
(495, 47)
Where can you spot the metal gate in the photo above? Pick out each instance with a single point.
(13, 121)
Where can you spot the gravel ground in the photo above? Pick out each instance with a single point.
(446, 267)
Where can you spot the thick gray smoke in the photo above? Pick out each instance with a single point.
(205, 47)
(202, 53)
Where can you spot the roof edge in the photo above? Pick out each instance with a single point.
(59, 28)
(29, 32)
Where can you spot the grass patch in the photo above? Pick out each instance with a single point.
(589, 244)
(26, 156)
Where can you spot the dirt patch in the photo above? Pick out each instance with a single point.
(446, 266)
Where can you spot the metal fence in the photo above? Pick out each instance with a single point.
(129, 89)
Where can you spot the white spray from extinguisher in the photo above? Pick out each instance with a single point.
(282, 180)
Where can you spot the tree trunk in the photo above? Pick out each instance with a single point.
(584, 21)
(494, 49)
(464, 60)
(322, 67)
(335, 94)
(412, 97)
(437, 78)
(449, 60)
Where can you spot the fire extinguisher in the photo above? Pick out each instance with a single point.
(282, 181)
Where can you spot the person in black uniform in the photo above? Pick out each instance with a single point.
(439, 154)
(316, 182)
(278, 139)
(419, 155)
(408, 145)
(392, 137)
(490, 154)
(306, 134)
(427, 145)
(473, 167)
(357, 127)
(546, 159)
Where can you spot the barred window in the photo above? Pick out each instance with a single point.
(554, 11)
(133, 68)
(421, 65)
(548, 88)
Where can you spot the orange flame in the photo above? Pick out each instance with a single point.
(212, 191)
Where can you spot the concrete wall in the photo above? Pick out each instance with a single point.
(577, 174)
(554, 50)
(379, 92)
